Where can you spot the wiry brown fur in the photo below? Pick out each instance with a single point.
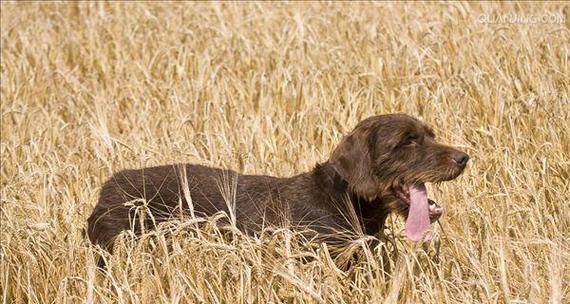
(382, 153)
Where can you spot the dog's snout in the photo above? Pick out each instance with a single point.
(460, 159)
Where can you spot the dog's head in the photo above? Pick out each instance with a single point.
(391, 157)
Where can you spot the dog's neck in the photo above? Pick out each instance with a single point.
(372, 213)
(336, 187)
(331, 182)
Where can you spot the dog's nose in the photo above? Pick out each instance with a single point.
(460, 159)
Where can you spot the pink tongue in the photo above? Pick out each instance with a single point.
(417, 224)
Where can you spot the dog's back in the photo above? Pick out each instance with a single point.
(141, 199)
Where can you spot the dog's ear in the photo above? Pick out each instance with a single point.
(352, 160)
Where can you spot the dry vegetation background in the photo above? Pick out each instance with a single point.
(91, 88)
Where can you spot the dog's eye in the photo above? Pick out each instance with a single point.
(411, 140)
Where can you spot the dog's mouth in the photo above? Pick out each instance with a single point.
(421, 211)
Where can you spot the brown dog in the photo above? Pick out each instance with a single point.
(380, 167)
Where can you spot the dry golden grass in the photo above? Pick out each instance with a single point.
(91, 88)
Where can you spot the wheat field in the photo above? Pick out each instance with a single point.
(88, 89)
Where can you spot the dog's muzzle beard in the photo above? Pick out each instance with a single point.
(402, 195)
(413, 202)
